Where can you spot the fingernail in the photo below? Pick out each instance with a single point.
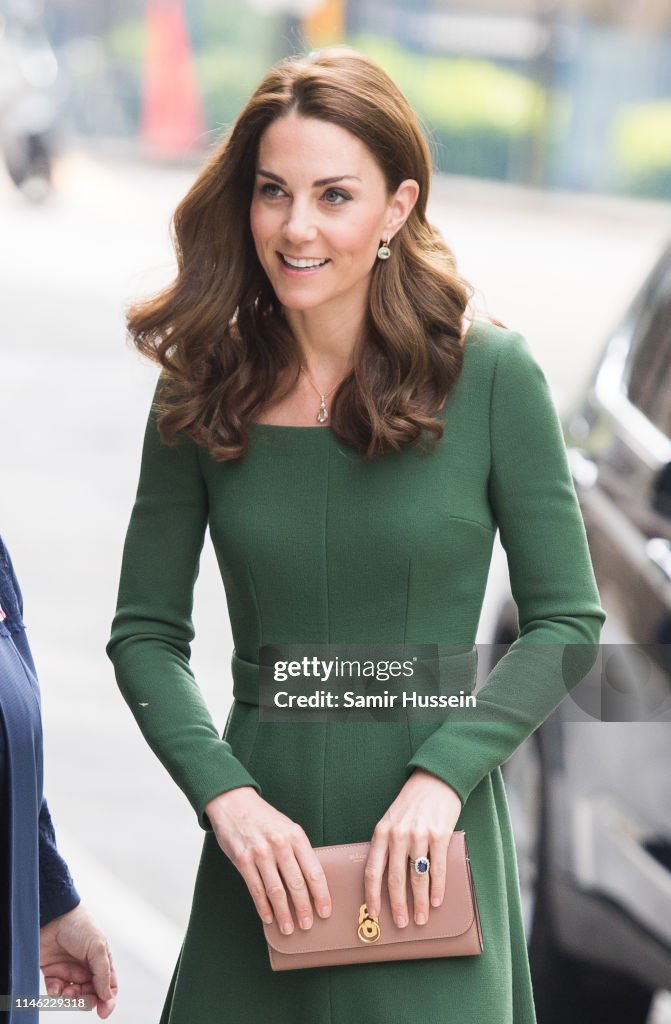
(372, 911)
(435, 901)
(420, 919)
(306, 922)
(287, 928)
(267, 918)
(324, 910)
(401, 922)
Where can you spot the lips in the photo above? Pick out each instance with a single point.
(303, 262)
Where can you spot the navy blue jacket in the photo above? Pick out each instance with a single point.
(35, 884)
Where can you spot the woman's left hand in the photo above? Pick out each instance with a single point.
(419, 823)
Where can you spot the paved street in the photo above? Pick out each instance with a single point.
(73, 403)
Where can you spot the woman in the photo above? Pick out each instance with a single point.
(312, 343)
(42, 923)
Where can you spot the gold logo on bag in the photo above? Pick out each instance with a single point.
(369, 928)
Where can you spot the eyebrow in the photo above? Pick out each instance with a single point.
(315, 184)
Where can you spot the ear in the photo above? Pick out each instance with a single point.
(400, 206)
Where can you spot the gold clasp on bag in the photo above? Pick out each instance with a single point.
(369, 928)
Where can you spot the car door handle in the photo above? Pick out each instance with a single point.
(658, 550)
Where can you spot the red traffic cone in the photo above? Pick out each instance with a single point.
(172, 119)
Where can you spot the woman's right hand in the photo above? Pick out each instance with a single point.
(270, 851)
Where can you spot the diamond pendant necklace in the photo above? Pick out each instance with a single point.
(322, 415)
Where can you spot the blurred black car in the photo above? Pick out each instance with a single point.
(591, 799)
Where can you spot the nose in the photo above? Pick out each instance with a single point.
(299, 226)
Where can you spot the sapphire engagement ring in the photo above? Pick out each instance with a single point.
(420, 866)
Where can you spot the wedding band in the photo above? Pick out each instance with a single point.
(420, 866)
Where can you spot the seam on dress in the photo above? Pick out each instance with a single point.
(328, 982)
(405, 640)
(328, 635)
(204, 482)
(325, 534)
(257, 606)
(491, 403)
(260, 633)
(491, 440)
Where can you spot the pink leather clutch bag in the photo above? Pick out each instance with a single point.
(351, 936)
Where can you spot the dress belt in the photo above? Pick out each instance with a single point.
(456, 665)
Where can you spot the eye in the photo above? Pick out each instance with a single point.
(267, 190)
(336, 196)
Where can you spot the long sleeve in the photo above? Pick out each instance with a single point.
(57, 891)
(560, 615)
(152, 629)
(19, 696)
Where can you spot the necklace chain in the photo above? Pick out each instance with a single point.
(322, 415)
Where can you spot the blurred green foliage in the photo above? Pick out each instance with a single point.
(231, 53)
(476, 114)
(125, 42)
(459, 93)
(641, 148)
(479, 116)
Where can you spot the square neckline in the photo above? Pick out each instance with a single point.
(326, 428)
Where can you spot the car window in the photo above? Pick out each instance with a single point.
(649, 372)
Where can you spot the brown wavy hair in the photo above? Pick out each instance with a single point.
(219, 331)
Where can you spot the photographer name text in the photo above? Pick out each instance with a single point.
(350, 699)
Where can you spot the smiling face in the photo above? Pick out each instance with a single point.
(319, 211)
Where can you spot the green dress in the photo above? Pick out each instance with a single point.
(315, 545)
